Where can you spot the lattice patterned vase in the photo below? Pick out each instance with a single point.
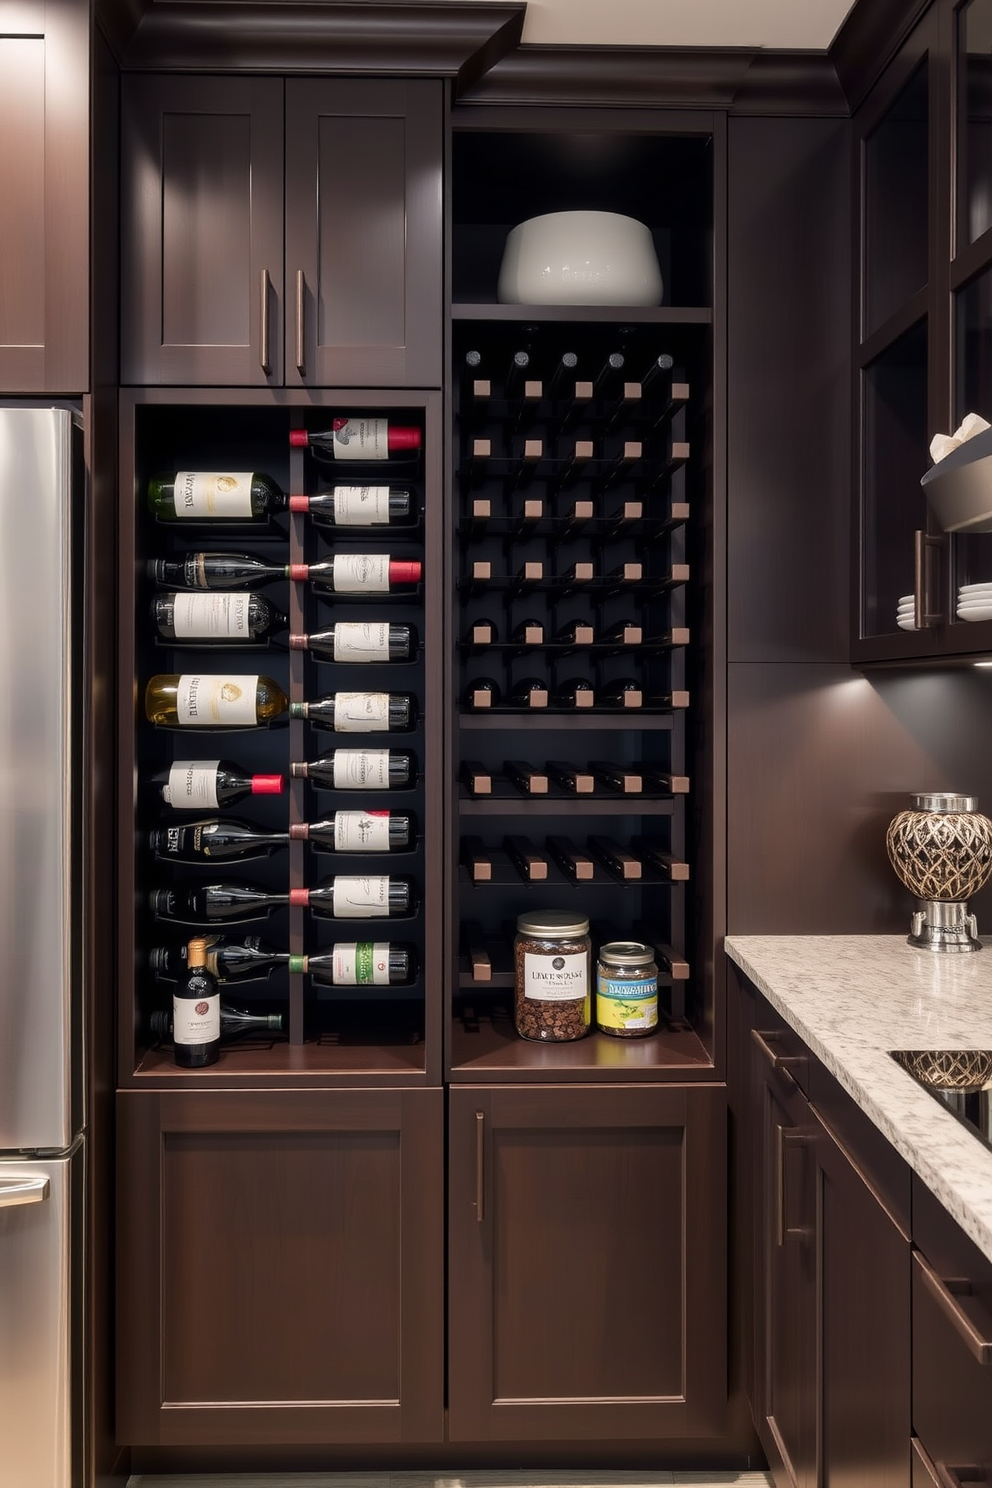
(942, 852)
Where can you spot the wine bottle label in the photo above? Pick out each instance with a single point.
(359, 640)
(361, 769)
(196, 1020)
(361, 898)
(361, 439)
(192, 784)
(361, 573)
(211, 616)
(209, 493)
(361, 712)
(556, 978)
(361, 506)
(361, 831)
(360, 964)
(215, 700)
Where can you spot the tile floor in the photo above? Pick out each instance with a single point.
(542, 1479)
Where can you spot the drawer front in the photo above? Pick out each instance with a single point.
(952, 1388)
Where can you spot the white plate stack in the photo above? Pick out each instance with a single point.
(975, 602)
(905, 617)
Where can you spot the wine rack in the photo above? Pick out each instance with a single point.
(336, 1033)
(572, 588)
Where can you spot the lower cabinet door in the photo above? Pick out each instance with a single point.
(280, 1267)
(587, 1262)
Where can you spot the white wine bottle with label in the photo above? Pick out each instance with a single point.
(213, 700)
(214, 496)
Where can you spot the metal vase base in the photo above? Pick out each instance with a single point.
(944, 925)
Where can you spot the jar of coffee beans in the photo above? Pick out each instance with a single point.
(626, 989)
(552, 955)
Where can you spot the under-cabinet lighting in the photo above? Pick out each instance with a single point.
(982, 663)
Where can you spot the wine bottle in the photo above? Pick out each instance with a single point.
(362, 963)
(235, 1022)
(609, 372)
(358, 641)
(358, 712)
(625, 633)
(356, 769)
(519, 363)
(207, 903)
(215, 571)
(660, 367)
(356, 831)
(571, 778)
(530, 692)
(195, 785)
(217, 837)
(529, 632)
(358, 573)
(190, 616)
(214, 496)
(357, 439)
(484, 692)
(356, 506)
(196, 1012)
(228, 960)
(558, 382)
(624, 693)
(576, 633)
(213, 700)
(481, 633)
(575, 693)
(345, 897)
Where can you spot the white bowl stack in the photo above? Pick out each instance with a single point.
(905, 614)
(975, 602)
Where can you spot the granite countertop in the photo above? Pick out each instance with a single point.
(852, 998)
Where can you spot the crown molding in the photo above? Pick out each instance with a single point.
(384, 37)
(868, 40)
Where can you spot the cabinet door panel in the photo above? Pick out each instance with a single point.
(363, 226)
(281, 1267)
(44, 198)
(202, 212)
(577, 1307)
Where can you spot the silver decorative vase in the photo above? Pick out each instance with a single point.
(942, 851)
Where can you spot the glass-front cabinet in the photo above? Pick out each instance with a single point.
(923, 343)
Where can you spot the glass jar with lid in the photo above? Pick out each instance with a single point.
(552, 954)
(626, 989)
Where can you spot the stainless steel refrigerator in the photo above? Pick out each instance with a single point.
(42, 1119)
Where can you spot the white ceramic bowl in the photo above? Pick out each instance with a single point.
(580, 258)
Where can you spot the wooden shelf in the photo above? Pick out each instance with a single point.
(636, 314)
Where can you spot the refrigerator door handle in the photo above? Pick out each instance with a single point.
(14, 1192)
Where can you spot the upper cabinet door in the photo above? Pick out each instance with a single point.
(44, 197)
(202, 214)
(363, 233)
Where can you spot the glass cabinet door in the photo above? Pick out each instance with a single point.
(974, 122)
(896, 198)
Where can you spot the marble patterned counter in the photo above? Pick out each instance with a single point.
(852, 998)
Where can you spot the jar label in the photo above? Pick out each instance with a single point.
(361, 898)
(216, 700)
(361, 506)
(211, 493)
(361, 640)
(361, 769)
(361, 712)
(361, 573)
(556, 978)
(627, 1002)
(210, 616)
(361, 439)
(196, 1020)
(362, 963)
(192, 784)
(361, 831)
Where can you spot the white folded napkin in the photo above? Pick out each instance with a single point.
(941, 445)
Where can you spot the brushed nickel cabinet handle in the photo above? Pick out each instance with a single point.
(480, 1165)
(979, 1346)
(776, 1060)
(924, 615)
(782, 1140)
(16, 1192)
(301, 303)
(263, 322)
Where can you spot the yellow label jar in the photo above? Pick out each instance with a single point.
(552, 955)
(626, 989)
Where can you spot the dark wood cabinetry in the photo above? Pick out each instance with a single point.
(245, 264)
(44, 191)
(586, 1257)
(832, 1270)
(281, 1267)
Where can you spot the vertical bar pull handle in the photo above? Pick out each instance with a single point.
(263, 322)
(783, 1139)
(301, 305)
(924, 615)
(480, 1165)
